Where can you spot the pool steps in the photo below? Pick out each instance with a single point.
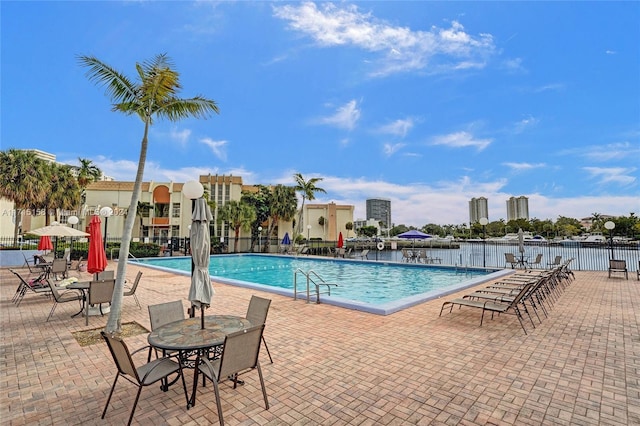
(310, 275)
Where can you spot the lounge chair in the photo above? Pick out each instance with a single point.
(363, 254)
(257, 315)
(239, 354)
(37, 286)
(618, 266)
(145, 375)
(493, 306)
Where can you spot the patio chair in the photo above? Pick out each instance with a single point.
(36, 286)
(131, 291)
(60, 295)
(144, 375)
(510, 258)
(99, 292)
(537, 262)
(493, 306)
(59, 268)
(556, 262)
(618, 266)
(105, 275)
(257, 314)
(239, 355)
(164, 313)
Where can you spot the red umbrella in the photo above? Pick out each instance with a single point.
(97, 259)
(45, 243)
(340, 241)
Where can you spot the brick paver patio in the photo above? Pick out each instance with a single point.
(335, 366)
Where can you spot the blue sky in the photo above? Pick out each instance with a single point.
(426, 103)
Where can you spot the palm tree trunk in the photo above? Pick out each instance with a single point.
(114, 323)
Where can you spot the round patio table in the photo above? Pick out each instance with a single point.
(188, 338)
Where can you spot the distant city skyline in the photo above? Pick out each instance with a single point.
(427, 104)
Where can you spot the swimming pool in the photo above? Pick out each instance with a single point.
(375, 287)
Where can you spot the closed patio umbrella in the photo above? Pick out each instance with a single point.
(521, 245)
(340, 240)
(286, 240)
(45, 243)
(97, 258)
(201, 291)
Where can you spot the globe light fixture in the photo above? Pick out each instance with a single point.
(105, 212)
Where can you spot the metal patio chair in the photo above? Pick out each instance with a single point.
(131, 291)
(144, 375)
(257, 315)
(239, 355)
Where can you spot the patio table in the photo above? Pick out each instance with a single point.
(189, 339)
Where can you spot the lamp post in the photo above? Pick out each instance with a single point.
(309, 235)
(72, 220)
(193, 190)
(483, 221)
(106, 212)
(610, 225)
(259, 239)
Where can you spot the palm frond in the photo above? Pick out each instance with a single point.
(118, 87)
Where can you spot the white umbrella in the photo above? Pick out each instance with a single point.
(201, 291)
(57, 230)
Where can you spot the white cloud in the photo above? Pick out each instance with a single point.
(399, 49)
(390, 149)
(613, 175)
(398, 128)
(525, 123)
(520, 167)
(217, 147)
(608, 152)
(610, 52)
(416, 204)
(461, 140)
(514, 65)
(345, 116)
(180, 136)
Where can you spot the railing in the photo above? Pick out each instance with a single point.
(308, 275)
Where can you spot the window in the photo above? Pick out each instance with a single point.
(175, 212)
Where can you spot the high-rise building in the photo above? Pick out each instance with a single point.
(380, 210)
(517, 208)
(478, 208)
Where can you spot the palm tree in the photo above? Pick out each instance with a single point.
(64, 192)
(154, 95)
(87, 173)
(239, 215)
(348, 226)
(308, 190)
(142, 210)
(23, 181)
(282, 207)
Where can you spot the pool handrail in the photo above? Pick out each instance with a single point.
(309, 281)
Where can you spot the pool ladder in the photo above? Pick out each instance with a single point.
(312, 279)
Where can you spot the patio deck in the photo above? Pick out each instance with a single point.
(335, 366)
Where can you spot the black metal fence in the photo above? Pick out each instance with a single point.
(490, 254)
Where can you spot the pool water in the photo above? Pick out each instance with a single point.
(359, 283)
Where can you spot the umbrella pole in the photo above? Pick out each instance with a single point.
(202, 316)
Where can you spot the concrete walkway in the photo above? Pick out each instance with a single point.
(335, 366)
